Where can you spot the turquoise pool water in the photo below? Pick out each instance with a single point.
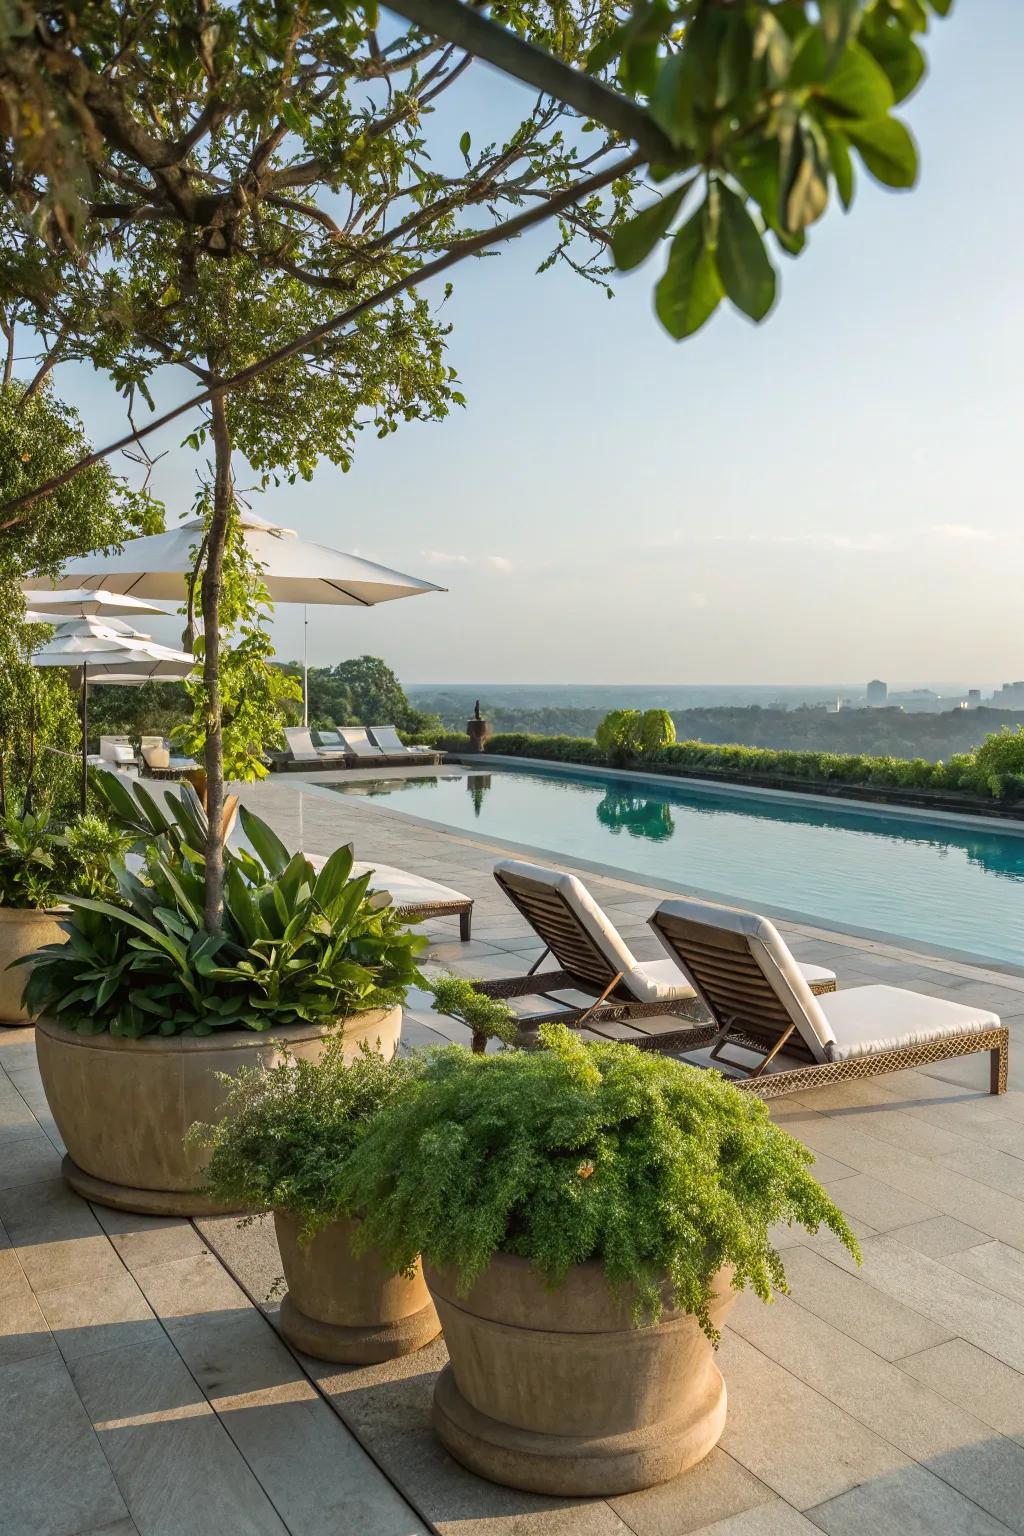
(957, 887)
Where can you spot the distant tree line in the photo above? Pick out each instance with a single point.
(878, 732)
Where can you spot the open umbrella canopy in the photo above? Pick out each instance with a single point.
(154, 568)
(86, 600)
(110, 655)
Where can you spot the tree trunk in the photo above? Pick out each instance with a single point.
(223, 496)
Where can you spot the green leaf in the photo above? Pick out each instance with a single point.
(803, 184)
(672, 100)
(634, 240)
(690, 289)
(332, 879)
(743, 265)
(465, 144)
(266, 842)
(896, 52)
(858, 86)
(841, 163)
(887, 149)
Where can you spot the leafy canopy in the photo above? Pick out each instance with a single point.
(586, 1151)
(41, 863)
(287, 1131)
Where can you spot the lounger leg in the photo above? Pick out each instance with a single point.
(998, 1063)
(465, 924)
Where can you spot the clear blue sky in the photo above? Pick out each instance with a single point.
(831, 495)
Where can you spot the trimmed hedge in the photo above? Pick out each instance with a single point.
(994, 771)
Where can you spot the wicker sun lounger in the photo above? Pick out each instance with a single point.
(595, 960)
(761, 1004)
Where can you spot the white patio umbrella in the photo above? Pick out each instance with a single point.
(106, 655)
(154, 567)
(89, 601)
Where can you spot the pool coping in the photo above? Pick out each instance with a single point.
(808, 922)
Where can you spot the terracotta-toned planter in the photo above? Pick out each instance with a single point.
(23, 930)
(557, 1392)
(124, 1107)
(345, 1306)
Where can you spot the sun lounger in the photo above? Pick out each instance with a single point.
(300, 745)
(359, 746)
(595, 959)
(389, 741)
(761, 1004)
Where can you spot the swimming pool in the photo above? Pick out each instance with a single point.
(955, 886)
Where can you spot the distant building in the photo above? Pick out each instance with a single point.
(974, 698)
(1009, 696)
(877, 693)
(919, 701)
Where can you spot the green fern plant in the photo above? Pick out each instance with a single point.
(581, 1151)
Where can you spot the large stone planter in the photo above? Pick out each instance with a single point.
(123, 1107)
(348, 1307)
(23, 930)
(556, 1392)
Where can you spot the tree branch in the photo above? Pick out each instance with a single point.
(509, 230)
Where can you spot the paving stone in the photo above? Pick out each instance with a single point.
(58, 1239)
(93, 1315)
(913, 1502)
(938, 1236)
(775, 1519)
(174, 1462)
(857, 1309)
(27, 1155)
(715, 1489)
(142, 1240)
(987, 1388)
(54, 1478)
(23, 1330)
(879, 1205)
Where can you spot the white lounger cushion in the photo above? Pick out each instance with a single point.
(358, 743)
(405, 889)
(867, 1020)
(387, 738)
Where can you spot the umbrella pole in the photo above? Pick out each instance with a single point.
(305, 667)
(85, 736)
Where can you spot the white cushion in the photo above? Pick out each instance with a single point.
(405, 889)
(867, 1020)
(590, 916)
(658, 981)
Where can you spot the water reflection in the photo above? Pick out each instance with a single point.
(636, 815)
(478, 784)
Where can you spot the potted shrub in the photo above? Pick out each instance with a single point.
(39, 864)
(282, 1145)
(143, 1008)
(586, 1214)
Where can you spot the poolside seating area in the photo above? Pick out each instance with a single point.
(350, 747)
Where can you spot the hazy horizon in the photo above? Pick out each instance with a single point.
(833, 493)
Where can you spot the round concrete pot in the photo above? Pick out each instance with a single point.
(345, 1306)
(557, 1392)
(23, 930)
(124, 1107)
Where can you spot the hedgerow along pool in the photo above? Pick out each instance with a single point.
(941, 883)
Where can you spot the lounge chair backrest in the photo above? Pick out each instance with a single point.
(152, 741)
(116, 749)
(562, 912)
(386, 737)
(329, 739)
(300, 744)
(357, 742)
(742, 968)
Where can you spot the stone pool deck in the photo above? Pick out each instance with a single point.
(145, 1391)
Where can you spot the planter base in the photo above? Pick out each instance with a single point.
(358, 1346)
(573, 1465)
(145, 1202)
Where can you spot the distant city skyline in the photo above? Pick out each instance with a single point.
(833, 494)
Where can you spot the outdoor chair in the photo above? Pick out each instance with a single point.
(762, 1005)
(329, 741)
(595, 960)
(359, 746)
(389, 741)
(300, 745)
(117, 750)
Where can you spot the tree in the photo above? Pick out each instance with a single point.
(39, 434)
(215, 191)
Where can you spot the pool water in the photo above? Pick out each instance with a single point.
(957, 887)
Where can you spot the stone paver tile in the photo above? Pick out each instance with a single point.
(27, 1158)
(775, 1519)
(986, 1387)
(174, 1462)
(985, 1467)
(18, 1051)
(54, 1479)
(58, 1239)
(91, 1315)
(993, 1264)
(142, 1240)
(191, 1287)
(15, 1114)
(880, 1206)
(23, 1330)
(938, 1236)
(989, 1165)
(791, 1437)
(970, 1311)
(710, 1492)
(458, 1504)
(885, 1326)
(125, 1527)
(913, 1502)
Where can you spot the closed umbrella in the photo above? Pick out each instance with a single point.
(104, 654)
